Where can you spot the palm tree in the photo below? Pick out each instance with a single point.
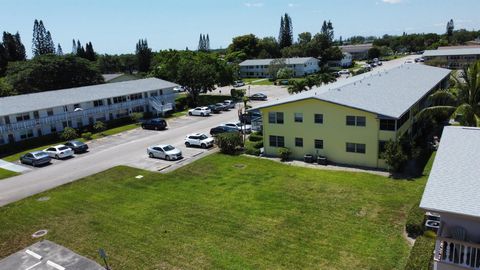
(297, 86)
(463, 101)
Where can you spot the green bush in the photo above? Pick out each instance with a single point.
(257, 145)
(284, 153)
(87, 135)
(250, 149)
(255, 137)
(229, 142)
(99, 126)
(394, 156)
(237, 93)
(421, 254)
(69, 134)
(430, 234)
(135, 117)
(415, 219)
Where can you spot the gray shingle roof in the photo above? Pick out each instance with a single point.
(289, 61)
(390, 93)
(445, 52)
(454, 182)
(49, 99)
(357, 48)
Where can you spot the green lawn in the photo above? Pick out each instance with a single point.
(6, 173)
(223, 212)
(257, 81)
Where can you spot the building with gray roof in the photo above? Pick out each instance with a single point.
(259, 68)
(350, 121)
(452, 191)
(37, 114)
(358, 51)
(454, 58)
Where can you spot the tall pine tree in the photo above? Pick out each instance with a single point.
(207, 43)
(59, 50)
(42, 42)
(74, 47)
(285, 37)
(14, 49)
(144, 55)
(89, 52)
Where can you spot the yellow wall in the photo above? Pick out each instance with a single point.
(334, 132)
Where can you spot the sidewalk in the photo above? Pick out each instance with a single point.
(329, 167)
(12, 167)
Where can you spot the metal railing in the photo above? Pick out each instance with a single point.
(68, 116)
(156, 103)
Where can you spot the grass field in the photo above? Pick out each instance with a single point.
(6, 173)
(257, 81)
(223, 212)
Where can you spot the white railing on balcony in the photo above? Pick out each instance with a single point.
(68, 116)
(461, 253)
(156, 103)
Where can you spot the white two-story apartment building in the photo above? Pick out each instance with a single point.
(33, 115)
(259, 68)
(453, 191)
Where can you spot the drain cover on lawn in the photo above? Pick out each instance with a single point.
(40, 233)
(139, 176)
(240, 166)
(42, 199)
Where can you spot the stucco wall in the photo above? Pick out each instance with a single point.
(334, 132)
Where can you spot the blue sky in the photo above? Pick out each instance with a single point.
(114, 26)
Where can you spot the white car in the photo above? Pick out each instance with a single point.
(59, 151)
(202, 111)
(409, 61)
(344, 72)
(198, 139)
(241, 127)
(179, 89)
(164, 151)
(238, 83)
(229, 103)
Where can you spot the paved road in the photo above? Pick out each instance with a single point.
(129, 148)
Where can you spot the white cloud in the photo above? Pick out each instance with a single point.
(392, 1)
(254, 5)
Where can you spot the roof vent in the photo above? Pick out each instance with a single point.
(368, 84)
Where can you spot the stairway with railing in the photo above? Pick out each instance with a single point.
(156, 103)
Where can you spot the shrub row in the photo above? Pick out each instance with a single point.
(421, 254)
(415, 219)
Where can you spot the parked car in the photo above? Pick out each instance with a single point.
(198, 139)
(419, 60)
(258, 96)
(409, 61)
(179, 89)
(202, 111)
(222, 129)
(238, 83)
(222, 106)
(59, 151)
(241, 127)
(215, 108)
(247, 117)
(344, 72)
(77, 146)
(229, 103)
(35, 158)
(164, 151)
(156, 124)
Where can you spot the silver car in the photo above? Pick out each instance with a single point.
(164, 151)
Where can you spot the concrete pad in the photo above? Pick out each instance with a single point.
(13, 167)
(46, 255)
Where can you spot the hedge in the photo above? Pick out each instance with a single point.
(254, 137)
(421, 254)
(415, 219)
